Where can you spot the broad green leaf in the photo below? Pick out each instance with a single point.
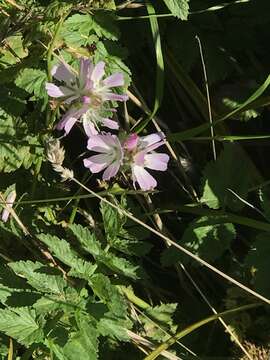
(109, 295)
(62, 250)
(87, 239)
(230, 171)
(178, 8)
(257, 262)
(112, 328)
(22, 325)
(14, 50)
(91, 245)
(206, 237)
(39, 276)
(104, 25)
(33, 81)
(112, 221)
(119, 265)
(17, 148)
(82, 344)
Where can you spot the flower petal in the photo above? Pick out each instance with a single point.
(55, 91)
(89, 128)
(152, 139)
(143, 178)
(131, 142)
(86, 68)
(63, 72)
(98, 143)
(98, 72)
(69, 119)
(111, 171)
(114, 97)
(156, 161)
(93, 167)
(111, 124)
(114, 80)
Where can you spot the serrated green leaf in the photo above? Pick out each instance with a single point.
(179, 8)
(206, 237)
(22, 325)
(17, 147)
(113, 329)
(33, 81)
(14, 50)
(76, 29)
(163, 312)
(104, 25)
(224, 174)
(109, 294)
(87, 239)
(38, 276)
(112, 221)
(257, 262)
(119, 265)
(62, 250)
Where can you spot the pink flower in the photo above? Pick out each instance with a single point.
(9, 203)
(109, 157)
(141, 150)
(88, 93)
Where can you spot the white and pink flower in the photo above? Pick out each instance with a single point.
(87, 92)
(141, 150)
(136, 153)
(109, 157)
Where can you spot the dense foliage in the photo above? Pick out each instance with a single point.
(127, 262)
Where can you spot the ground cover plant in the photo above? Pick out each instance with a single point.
(134, 191)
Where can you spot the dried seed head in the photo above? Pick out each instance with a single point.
(55, 153)
(56, 156)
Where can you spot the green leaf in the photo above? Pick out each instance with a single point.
(163, 312)
(62, 250)
(13, 51)
(229, 171)
(38, 276)
(112, 221)
(257, 261)
(112, 328)
(17, 147)
(178, 8)
(91, 245)
(33, 81)
(119, 265)
(206, 237)
(265, 203)
(104, 25)
(82, 344)
(22, 325)
(87, 239)
(109, 295)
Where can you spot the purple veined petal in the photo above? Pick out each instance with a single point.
(89, 128)
(63, 72)
(156, 161)
(114, 97)
(138, 158)
(98, 72)
(86, 68)
(143, 178)
(98, 143)
(54, 91)
(151, 139)
(93, 167)
(114, 80)
(111, 170)
(101, 159)
(111, 124)
(131, 142)
(9, 203)
(69, 119)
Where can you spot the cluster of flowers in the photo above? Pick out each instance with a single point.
(88, 95)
